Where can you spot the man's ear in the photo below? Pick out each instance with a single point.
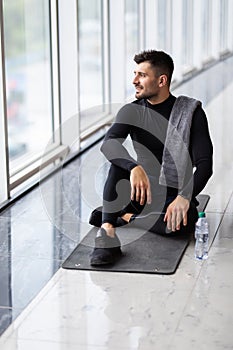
(163, 80)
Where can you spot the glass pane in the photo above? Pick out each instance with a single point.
(162, 24)
(3, 158)
(90, 60)
(28, 78)
(206, 26)
(131, 45)
(223, 24)
(187, 56)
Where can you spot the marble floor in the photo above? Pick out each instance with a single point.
(45, 306)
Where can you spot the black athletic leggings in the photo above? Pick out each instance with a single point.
(116, 202)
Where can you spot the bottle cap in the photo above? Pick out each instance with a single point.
(201, 214)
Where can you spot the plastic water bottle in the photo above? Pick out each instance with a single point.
(202, 237)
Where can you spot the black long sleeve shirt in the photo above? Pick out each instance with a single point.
(146, 124)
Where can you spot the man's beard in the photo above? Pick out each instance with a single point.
(146, 96)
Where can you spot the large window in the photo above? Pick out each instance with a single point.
(91, 61)
(206, 29)
(131, 41)
(163, 22)
(28, 80)
(223, 25)
(187, 34)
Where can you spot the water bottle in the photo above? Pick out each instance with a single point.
(202, 237)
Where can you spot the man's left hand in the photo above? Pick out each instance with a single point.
(176, 213)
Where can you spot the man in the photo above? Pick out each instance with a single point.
(157, 190)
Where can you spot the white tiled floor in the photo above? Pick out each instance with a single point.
(191, 309)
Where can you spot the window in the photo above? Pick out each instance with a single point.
(162, 24)
(223, 25)
(187, 34)
(91, 62)
(131, 41)
(206, 29)
(3, 155)
(28, 80)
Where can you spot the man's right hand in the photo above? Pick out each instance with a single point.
(140, 185)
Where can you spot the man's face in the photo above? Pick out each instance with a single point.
(146, 81)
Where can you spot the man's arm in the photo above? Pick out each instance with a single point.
(117, 154)
(112, 146)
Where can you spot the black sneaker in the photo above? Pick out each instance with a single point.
(107, 250)
(96, 217)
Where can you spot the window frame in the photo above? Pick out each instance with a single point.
(4, 161)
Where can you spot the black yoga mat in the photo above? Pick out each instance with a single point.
(143, 252)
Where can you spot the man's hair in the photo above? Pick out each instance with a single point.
(159, 60)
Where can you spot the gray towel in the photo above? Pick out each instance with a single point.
(176, 149)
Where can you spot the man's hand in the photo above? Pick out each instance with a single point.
(140, 185)
(176, 212)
